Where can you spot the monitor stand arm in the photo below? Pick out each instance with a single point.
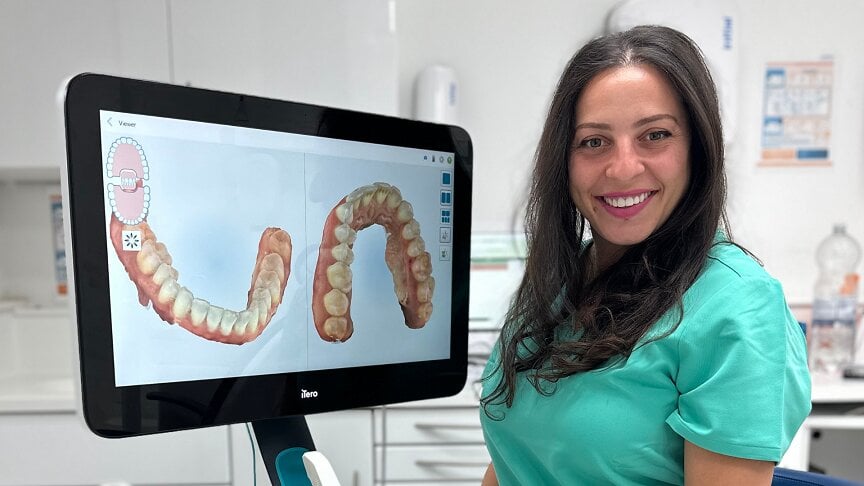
(289, 453)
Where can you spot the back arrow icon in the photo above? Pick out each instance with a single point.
(109, 122)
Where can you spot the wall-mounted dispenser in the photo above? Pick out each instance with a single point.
(436, 95)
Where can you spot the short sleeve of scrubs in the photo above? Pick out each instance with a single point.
(742, 376)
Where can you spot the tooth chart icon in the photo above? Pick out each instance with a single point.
(149, 264)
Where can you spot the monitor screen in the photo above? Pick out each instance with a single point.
(237, 258)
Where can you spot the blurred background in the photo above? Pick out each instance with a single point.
(488, 66)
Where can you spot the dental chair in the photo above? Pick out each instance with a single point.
(790, 477)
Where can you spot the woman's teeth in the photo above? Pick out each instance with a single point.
(624, 202)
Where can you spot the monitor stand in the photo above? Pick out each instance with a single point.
(289, 453)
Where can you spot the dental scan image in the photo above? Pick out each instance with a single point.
(240, 252)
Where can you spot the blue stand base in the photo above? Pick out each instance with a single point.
(290, 469)
(282, 442)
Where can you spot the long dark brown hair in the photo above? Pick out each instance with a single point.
(610, 312)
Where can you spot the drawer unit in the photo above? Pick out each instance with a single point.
(428, 426)
(433, 444)
(432, 463)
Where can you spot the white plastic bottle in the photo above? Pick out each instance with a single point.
(832, 333)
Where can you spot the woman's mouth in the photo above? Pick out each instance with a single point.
(626, 206)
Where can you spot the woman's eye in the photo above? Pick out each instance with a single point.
(592, 143)
(658, 135)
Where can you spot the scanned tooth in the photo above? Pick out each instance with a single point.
(253, 317)
(226, 324)
(345, 234)
(162, 251)
(394, 198)
(339, 276)
(336, 303)
(367, 197)
(269, 280)
(214, 317)
(265, 279)
(342, 232)
(199, 311)
(263, 294)
(182, 303)
(416, 247)
(147, 259)
(421, 267)
(274, 262)
(242, 323)
(359, 193)
(424, 312)
(345, 213)
(168, 291)
(405, 212)
(343, 253)
(336, 327)
(411, 230)
(162, 274)
(424, 290)
(263, 310)
(401, 293)
(280, 242)
(381, 194)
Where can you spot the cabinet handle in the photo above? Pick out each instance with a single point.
(423, 426)
(421, 463)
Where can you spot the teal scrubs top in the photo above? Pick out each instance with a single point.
(732, 378)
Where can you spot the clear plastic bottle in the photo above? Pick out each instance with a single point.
(832, 334)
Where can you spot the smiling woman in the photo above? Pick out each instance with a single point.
(629, 162)
(621, 352)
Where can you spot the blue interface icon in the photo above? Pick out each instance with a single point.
(445, 216)
(446, 178)
(446, 198)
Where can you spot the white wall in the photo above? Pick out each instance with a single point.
(508, 61)
(782, 214)
(508, 57)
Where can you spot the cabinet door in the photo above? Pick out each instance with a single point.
(337, 53)
(44, 43)
(56, 449)
(346, 439)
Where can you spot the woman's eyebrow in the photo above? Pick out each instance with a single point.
(638, 123)
(598, 126)
(654, 118)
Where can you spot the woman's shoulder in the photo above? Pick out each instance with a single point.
(730, 276)
(729, 262)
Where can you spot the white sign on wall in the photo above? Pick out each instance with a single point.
(796, 121)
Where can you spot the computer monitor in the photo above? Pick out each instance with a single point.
(237, 258)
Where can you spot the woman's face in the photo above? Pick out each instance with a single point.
(629, 163)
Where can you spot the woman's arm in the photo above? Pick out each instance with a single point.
(706, 468)
(489, 479)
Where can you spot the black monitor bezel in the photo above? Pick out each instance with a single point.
(112, 411)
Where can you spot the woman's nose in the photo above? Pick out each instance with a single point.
(625, 163)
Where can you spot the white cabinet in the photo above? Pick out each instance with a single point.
(345, 438)
(429, 444)
(337, 53)
(44, 43)
(56, 449)
(832, 437)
